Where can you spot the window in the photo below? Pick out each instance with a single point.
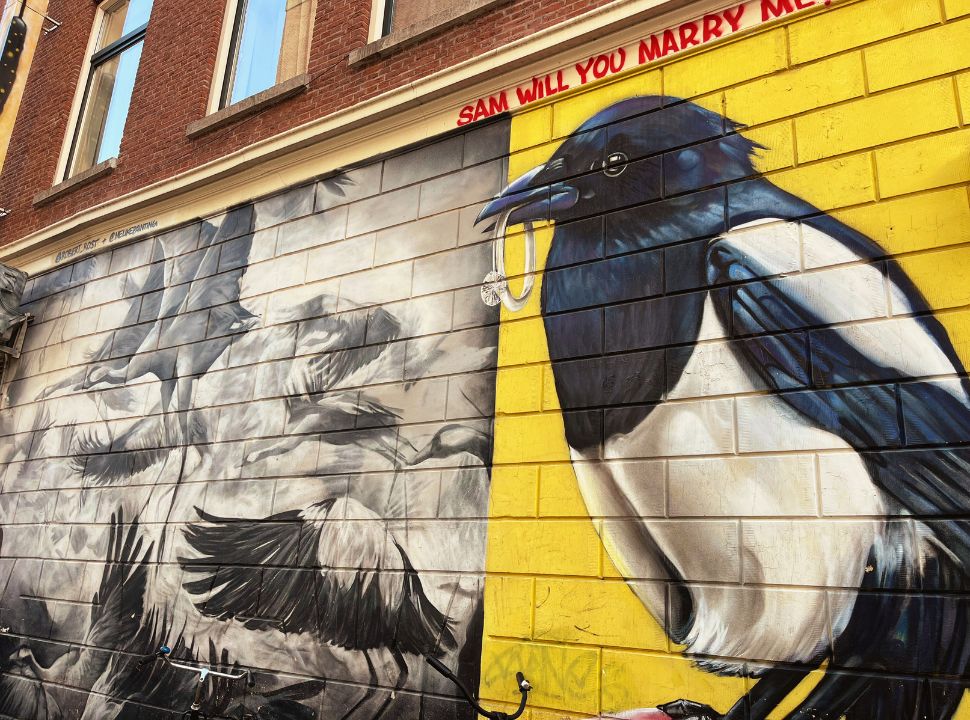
(268, 44)
(388, 15)
(119, 33)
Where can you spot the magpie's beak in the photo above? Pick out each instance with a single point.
(532, 197)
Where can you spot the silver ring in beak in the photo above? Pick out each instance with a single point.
(495, 286)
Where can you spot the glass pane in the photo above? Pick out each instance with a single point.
(105, 110)
(138, 14)
(254, 67)
(121, 18)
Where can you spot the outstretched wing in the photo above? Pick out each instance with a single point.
(143, 445)
(116, 609)
(869, 381)
(348, 346)
(259, 570)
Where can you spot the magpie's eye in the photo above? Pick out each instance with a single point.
(615, 164)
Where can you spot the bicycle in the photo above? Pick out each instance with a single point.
(523, 685)
(204, 672)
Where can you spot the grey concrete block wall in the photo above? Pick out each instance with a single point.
(245, 375)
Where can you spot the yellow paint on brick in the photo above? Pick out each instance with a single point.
(593, 612)
(858, 24)
(832, 184)
(514, 491)
(916, 222)
(943, 276)
(540, 129)
(876, 120)
(925, 163)
(726, 65)
(550, 399)
(585, 104)
(519, 336)
(957, 324)
(778, 139)
(523, 386)
(547, 547)
(956, 8)
(789, 93)
(963, 89)
(511, 599)
(528, 438)
(937, 51)
(564, 678)
(641, 679)
(559, 493)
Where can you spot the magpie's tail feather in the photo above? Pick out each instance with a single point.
(926, 649)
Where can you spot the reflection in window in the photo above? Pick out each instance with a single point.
(270, 40)
(110, 82)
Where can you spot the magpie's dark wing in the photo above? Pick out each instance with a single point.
(783, 325)
(261, 570)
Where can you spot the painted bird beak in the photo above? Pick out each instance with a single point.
(530, 199)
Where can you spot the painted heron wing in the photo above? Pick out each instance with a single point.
(262, 570)
(143, 445)
(117, 606)
(783, 326)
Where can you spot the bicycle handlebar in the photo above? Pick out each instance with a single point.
(164, 652)
(523, 685)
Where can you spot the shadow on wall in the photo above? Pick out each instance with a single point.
(264, 440)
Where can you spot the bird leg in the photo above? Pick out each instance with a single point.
(767, 693)
(371, 688)
(763, 698)
(689, 710)
(402, 679)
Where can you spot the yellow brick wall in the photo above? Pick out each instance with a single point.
(863, 108)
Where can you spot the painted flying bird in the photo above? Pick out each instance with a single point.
(189, 283)
(455, 439)
(338, 411)
(143, 445)
(350, 349)
(116, 611)
(663, 163)
(333, 570)
(103, 371)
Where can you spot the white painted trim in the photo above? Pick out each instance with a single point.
(222, 57)
(405, 115)
(376, 20)
(74, 117)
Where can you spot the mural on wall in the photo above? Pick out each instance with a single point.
(667, 281)
(264, 440)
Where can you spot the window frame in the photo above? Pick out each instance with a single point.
(381, 19)
(93, 59)
(231, 22)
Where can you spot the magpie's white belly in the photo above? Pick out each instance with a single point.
(757, 582)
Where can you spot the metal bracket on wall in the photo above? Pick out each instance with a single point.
(17, 338)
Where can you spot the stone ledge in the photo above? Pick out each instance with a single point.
(249, 106)
(463, 11)
(105, 167)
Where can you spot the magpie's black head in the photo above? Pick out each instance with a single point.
(632, 152)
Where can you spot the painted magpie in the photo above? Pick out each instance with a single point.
(693, 308)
